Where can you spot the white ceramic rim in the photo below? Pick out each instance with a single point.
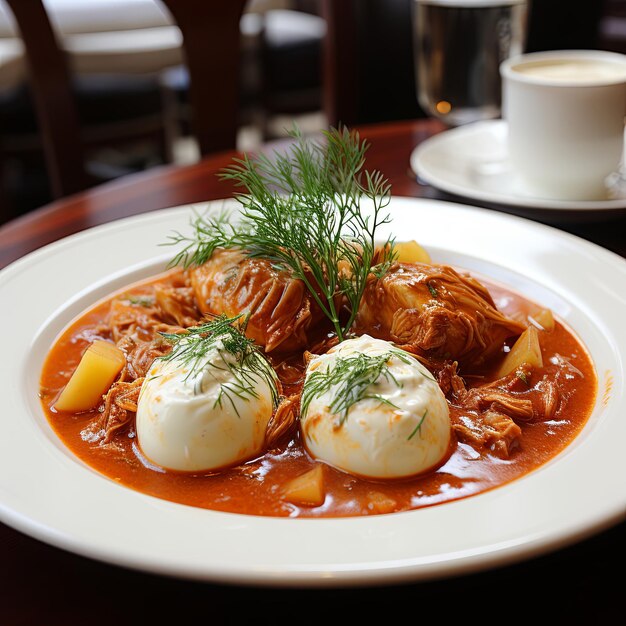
(508, 67)
(439, 178)
(49, 494)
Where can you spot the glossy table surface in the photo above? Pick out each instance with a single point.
(40, 584)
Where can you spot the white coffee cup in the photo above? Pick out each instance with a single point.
(565, 116)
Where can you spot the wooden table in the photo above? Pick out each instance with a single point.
(40, 584)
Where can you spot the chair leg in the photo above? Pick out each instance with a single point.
(171, 123)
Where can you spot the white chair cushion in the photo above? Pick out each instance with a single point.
(11, 63)
(88, 16)
(144, 50)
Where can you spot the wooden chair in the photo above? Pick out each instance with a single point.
(210, 32)
(277, 70)
(211, 48)
(58, 124)
(369, 75)
(54, 100)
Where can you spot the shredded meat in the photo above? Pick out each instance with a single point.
(177, 305)
(482, 398)
(501, 433)
(140, 353)
(126, 318)
(490, 413)
(551, 396)
(441, 313)
(135, 325)
(118, 411)
(283, 420)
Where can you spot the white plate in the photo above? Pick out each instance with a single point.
(48, 493)
(471, 161)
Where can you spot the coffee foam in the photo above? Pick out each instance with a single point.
(573, 71)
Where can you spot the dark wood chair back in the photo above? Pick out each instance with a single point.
(369, 74)
(54, 101)
(211, 46)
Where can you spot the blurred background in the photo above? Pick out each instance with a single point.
(91, 91)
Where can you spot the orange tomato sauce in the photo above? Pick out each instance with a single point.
(255, 487)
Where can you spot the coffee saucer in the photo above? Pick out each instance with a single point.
(471, 161)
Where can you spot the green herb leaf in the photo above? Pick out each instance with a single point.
(303, 211)
(191, 349)
(350, 378)
(418, 428)
(208, 234)
(145, 301)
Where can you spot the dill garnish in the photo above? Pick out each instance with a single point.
(238, 355)
(433, 291)
(302, 211)
(209, 232)
(418, 428)
(350, 379)
(145, 301)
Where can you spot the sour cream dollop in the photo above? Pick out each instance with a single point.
(206, 417)
(399, 427)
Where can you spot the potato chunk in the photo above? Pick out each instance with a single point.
(544, 319)
(306, 489)
(410, 252)
(525, 350)
(98, 367)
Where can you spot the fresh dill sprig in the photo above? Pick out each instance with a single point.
(302, 211)
(350, 379)
(238, 355)
(145, 301)
(418, 428)
(209, 232)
